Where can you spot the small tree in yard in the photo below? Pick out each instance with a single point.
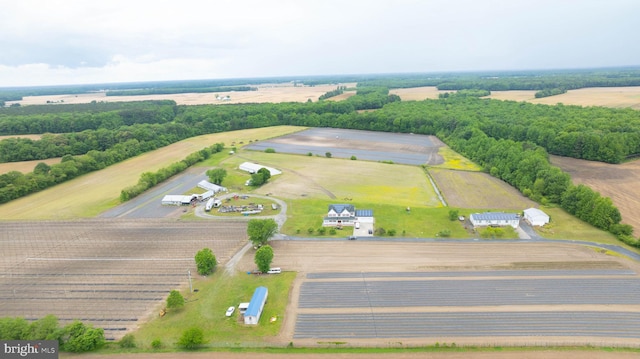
(205, 261)
(263, 258)
(191, 338)
(175, 300)
(260, 230)
(453, 214)
(217, 175)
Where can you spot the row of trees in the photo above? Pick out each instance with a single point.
(329, 94)
(75, 337)
(148, 179)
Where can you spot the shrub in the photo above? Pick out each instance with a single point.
(191, 338)
(270, 150)
(80, 338)
(175, 300)
(453, 214)
(322, 231)
(444, 233)
(332, 231)
(128, 341)
(391, 232)
(380, 231)
(328, 154)
(156, 343)
(353, 158)
(310, 230)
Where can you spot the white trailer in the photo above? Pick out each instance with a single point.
(209, 204)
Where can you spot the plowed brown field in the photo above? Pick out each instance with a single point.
(619, 182)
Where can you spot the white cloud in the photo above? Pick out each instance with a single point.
(76, 41)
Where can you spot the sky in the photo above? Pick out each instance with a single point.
(45, 42)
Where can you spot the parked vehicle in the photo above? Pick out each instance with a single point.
(274, 271)
(230, 311)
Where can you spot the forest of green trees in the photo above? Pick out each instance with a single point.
(510, 140)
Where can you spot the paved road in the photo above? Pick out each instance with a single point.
(149, 203)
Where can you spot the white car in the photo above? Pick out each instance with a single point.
(274, 271)
(230, 311)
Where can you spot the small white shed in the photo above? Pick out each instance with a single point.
(536, 217)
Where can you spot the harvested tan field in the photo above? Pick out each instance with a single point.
(619, 182)
(517, 95)
(90, 194)
(417, 93)
(25, 166)
(616, 97)
(266, 93)
(478, 190)
(32, 137)
(342, 96)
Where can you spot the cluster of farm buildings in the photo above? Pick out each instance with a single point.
(339, 215)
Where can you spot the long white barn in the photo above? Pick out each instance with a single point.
(254, 167)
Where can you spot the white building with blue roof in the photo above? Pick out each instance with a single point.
(495, 219)
(254, 311)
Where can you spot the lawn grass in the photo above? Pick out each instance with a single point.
(344, 179)
(419, 222)
(562, 225)
(206, 308)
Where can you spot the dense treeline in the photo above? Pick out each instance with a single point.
(91, 107)
(75, 337)
(513, 80)
(74, 118)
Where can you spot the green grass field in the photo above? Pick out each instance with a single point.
(206, 308)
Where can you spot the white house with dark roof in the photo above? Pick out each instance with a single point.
(495, 219)
(340, 215)
(346, 215)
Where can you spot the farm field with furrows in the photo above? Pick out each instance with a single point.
(111, 273)
(619, 182)
(467, 293)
